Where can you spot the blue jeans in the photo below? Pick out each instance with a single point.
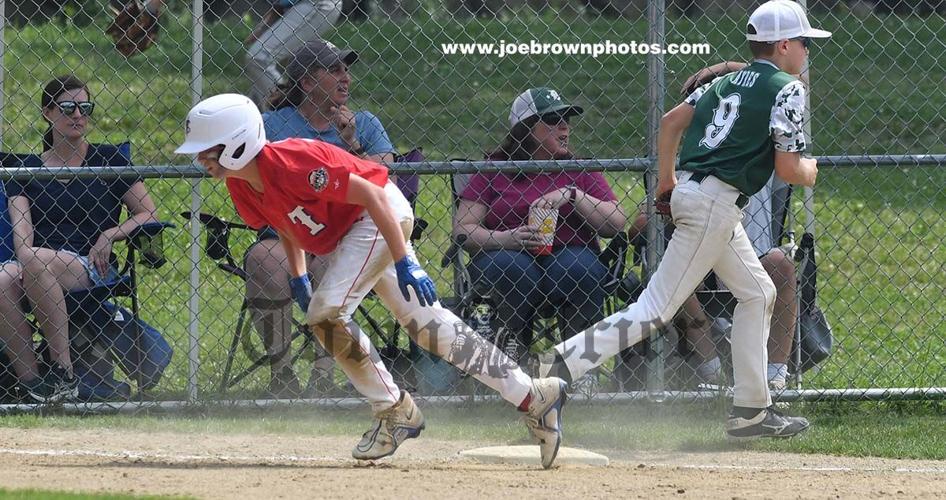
(521, 284)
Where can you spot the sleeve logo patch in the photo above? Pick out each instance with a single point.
(318, 179)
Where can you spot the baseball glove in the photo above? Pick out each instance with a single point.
(708, 74)
(135, 27)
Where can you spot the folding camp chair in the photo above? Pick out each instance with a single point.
(469, 302)
(99, 331)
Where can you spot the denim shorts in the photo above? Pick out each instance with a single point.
(94, 276)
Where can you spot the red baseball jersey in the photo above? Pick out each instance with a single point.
(305, 183)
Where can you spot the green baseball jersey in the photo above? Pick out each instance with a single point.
(740, 120)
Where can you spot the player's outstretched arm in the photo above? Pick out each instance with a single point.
(373, 198)
(299, 282)
(794, 169)
(672, 126)
(409, 272)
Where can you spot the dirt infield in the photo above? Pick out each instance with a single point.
(279, 466)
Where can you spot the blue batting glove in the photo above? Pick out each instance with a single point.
(409, 273)
(301, 291)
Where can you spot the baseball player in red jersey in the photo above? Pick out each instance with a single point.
(325, 201)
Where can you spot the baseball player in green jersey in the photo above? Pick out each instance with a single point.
(735, 131)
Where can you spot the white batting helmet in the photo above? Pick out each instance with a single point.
(230, 120)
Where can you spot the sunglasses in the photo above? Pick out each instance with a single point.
(69, 107)
(805, 41)
(554, 119)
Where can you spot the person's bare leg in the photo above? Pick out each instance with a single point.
(46, 274)
(782, 271)
(14, 329)
(697, 329)
(267, 292)
(697, 332)
(785, 313)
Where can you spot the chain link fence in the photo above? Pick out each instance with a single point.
(124, 266)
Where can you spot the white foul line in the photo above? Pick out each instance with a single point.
(135, 455)
(139, 455)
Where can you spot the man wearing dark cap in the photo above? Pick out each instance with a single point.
(310, 103)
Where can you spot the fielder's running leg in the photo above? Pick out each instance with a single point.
(708, 235)
(361, 262)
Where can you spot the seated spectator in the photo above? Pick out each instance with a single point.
(286, 27)
(312, 104)
(493, 215)
(63, 235)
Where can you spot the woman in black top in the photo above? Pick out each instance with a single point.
(63, 234)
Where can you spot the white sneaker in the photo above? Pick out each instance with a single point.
(544, 417)
(777, 384)
(391, 428)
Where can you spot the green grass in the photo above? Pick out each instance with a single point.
(6, 494)
(880, 244)
(904, 430)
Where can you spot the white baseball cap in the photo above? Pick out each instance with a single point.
(780, 20)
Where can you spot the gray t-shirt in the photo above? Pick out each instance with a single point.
(758, 219)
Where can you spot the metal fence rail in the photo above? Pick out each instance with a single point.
(878, 205)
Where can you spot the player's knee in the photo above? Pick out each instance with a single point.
(33, 265)
(768, 293)
(780, 268)
(321, 312)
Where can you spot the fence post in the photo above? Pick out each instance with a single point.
(656, 17)
(193, 351)
(3, 51)
(808, 193)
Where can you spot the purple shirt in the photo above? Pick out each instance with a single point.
(508, 198)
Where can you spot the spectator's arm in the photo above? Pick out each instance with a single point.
(382, 158)
(468, 221)
(606, 218)
(142, 211)
(22, 222)
(372, 136)
(639, 226)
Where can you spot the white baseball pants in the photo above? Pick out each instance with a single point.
(708, 236)
(362, 262)
(305, 21)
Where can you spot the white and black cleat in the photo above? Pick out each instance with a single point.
(768, 422)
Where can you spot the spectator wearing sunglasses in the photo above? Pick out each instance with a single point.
(63, 231)
(493, 215)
